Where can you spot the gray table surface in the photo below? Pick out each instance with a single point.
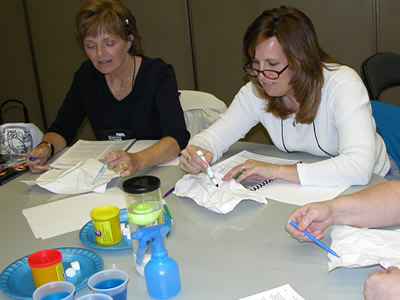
(220, 256)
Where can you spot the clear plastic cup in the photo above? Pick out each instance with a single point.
(111, 282)
(56, 290)
(95, 296)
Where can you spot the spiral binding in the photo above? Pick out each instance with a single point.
(260, 184)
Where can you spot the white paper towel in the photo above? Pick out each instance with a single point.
(222, 199)
(361, 247)
(77, 180)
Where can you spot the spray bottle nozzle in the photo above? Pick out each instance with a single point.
(153, 235)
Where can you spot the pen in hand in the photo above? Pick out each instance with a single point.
(208, 169)
(101, 172)
(315, 240)
(105, 166)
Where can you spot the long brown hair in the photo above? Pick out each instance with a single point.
(110, 16)
(306, 59)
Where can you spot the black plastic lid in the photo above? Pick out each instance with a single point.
(141, 184)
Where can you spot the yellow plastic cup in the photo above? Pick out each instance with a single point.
(46, 266)
(106, 224)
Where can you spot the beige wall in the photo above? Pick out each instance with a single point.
(389, 37)
(345, 30)
(16, 78)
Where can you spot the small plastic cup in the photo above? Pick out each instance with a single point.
(95, 296)
(106, 224)
(111, 282)
(46, 266)
(56, 290)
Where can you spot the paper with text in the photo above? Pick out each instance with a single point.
(83, 150)
(282, 190)
(244, 155)
(284, 292)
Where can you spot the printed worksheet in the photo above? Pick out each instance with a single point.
(227, 164)
(279, 189)
(83, 150)
(284, 292)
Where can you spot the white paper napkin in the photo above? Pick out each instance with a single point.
(76, 180)
(222, 199)
(69, 214)
(361, 247)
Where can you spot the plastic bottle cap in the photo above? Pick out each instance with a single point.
(141, 184)
(44, 258)
(103, 213)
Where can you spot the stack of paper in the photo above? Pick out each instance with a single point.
(69, 214)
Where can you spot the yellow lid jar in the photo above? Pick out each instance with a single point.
(106, 225)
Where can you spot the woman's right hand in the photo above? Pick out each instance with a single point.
(191, 162)
(37, 159)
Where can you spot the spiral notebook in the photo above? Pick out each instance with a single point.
(279, 189)
(244, 155)
(254, 185)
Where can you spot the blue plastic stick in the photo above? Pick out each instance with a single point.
(315, 240)
(105, 166)
(101, 172)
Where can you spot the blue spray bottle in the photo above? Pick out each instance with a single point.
(161, 272)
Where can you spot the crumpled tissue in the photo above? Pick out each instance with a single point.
(76, 180)
(222, 199)
(361, 247)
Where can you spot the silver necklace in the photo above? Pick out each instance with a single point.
(129, 77)
(294, 123)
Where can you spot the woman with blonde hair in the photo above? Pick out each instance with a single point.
(124, 94)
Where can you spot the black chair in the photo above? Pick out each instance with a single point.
(379, 72)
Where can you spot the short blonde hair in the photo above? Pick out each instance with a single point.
(110, 16)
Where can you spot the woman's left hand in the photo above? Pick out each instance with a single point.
(252, 169)
(258, 170)
(122, 162)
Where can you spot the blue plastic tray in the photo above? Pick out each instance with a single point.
(16, 280)
(88, 238)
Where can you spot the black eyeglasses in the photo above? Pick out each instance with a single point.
(270, 74)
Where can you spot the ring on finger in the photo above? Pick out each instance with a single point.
(189, 158)
(183, 165)
(124, 166)
(243, 167)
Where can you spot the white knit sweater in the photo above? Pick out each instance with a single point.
(344, 127)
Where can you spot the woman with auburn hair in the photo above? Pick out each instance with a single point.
(124, 94)
(306, 100)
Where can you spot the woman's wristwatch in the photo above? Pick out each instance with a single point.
(51, 146)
